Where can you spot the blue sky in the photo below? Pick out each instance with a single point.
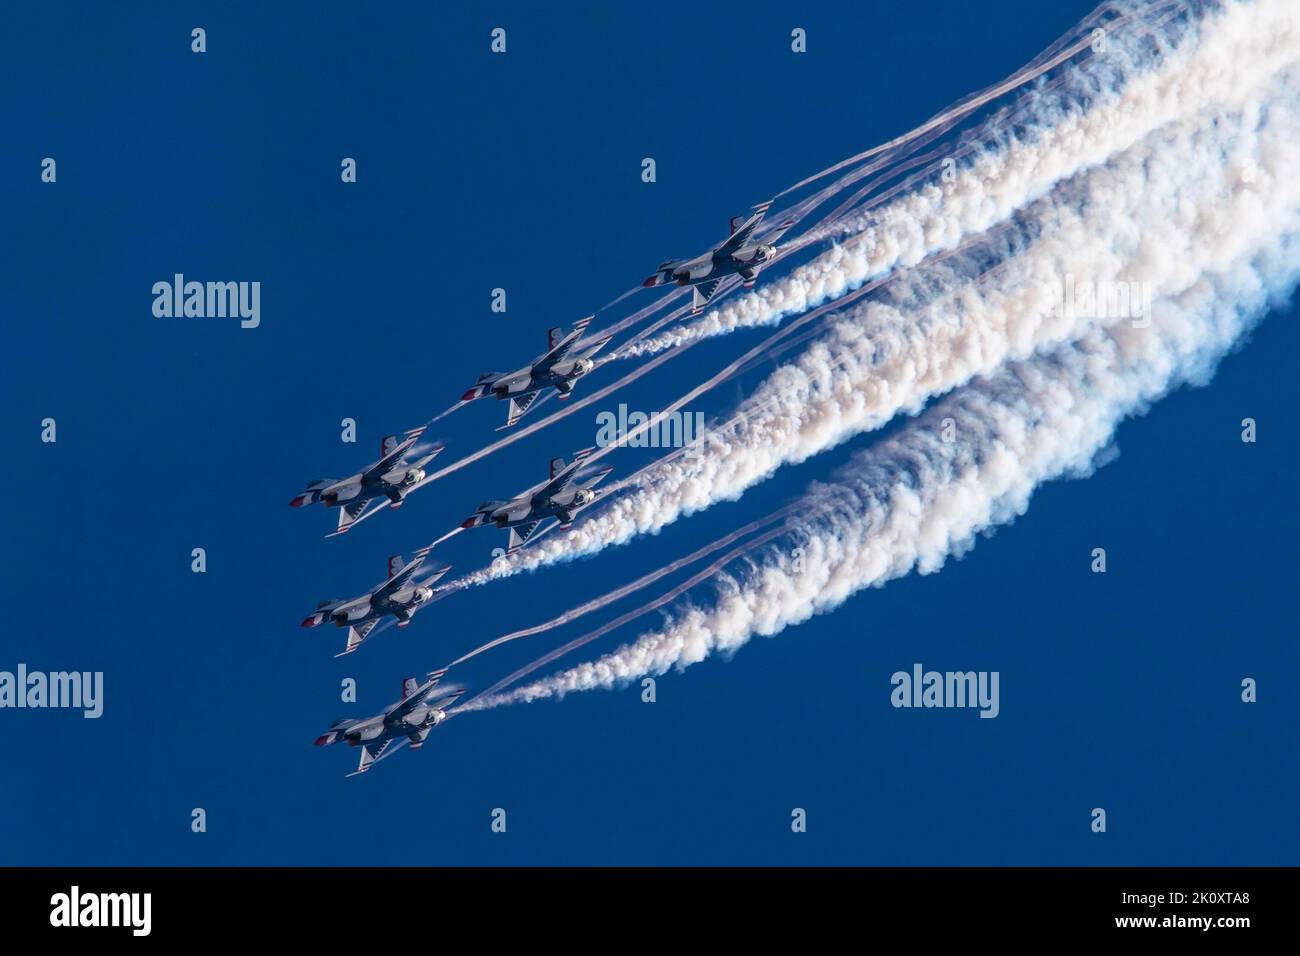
(523, 171)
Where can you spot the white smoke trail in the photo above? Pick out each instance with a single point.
(1232, 51)
(617, 594)
(1185, 199)
(918, 499)
(1106, 17)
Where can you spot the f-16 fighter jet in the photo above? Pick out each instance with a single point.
(393, 476)
(567, 359)
(421, 708)
(739, 255)
(401, 596)
(561, 497)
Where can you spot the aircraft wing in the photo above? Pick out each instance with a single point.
(416, 695)
(444, 704)
(521, 533)
(590, 348)
(357, 635)
(350, 514)
(560, 346)
(703, 293)
(393, 453)
(562, 475)
(403, 574)
(741, 233)
(774, 236)
(447, 698)
(369, 754)
(520, 405)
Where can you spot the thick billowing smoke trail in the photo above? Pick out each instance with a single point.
(1135, 87)
(913, 501)
(1184, 200)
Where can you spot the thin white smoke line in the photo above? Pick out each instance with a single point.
(655, 326)
(1054, 55)
(968, 144)
(488, 699)
(543, 423)
(617, 594)
(837, 222)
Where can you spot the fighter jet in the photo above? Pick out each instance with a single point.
(393, 476)
(400, 596)
(567, 359)
(412, 717)
(561, 497)
(737, 256)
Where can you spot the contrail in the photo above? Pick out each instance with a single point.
(489, 698)
(1188, 197)
(920, 498)
(632, 587)
(1232, 51)
(1077, 40)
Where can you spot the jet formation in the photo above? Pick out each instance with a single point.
(402, 468)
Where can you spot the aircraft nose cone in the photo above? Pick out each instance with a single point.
(310, 621)
(469, 395)
(298, 502)
(650, 282)
(322, 740)
(469, 522)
